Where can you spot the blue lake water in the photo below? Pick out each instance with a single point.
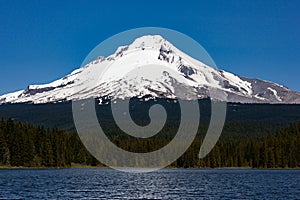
(162, 184)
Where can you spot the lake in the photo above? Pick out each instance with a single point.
(163, 184)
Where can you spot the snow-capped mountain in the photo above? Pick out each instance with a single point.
(153, 67)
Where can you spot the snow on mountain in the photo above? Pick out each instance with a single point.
(175, 73)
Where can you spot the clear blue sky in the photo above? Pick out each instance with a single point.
(41, 41)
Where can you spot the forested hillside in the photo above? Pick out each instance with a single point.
(249, 116)
(34, 146)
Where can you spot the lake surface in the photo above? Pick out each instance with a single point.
(162, 184)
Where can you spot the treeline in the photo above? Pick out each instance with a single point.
(34, 146)
(280, 150)
(30, 146)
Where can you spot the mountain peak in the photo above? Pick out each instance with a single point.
(149, 42)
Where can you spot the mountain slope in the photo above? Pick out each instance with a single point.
(154, 67)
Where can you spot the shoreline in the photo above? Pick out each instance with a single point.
(105, 167)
